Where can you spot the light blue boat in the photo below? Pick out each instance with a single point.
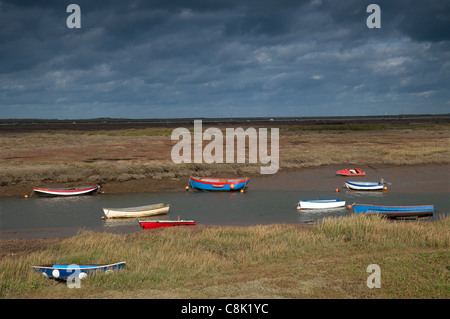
(63, 271)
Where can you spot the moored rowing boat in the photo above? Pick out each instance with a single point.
(140, 211)
(63, 271)
(365, 186)
(151, 224)
(68, 191)
(351, 172)
(320, 203)
(395, 211)
(218, 184)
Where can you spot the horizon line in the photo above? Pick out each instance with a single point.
(273, 118)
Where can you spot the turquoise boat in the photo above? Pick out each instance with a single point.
(395, 211)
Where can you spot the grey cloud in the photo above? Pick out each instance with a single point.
(213, 58)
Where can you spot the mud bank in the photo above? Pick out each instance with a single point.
(416, 178)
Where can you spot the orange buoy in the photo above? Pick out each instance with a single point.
(298, 207)
(385, 187)
(232, 186)
(349, 206)
(337, 190)
(187, 188)
(26, 196)
(242, 190)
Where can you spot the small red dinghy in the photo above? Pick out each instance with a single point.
(351, 172)
(150, 224)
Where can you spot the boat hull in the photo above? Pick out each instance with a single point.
(218, 184)
(71, 191)
(364, 186)
(395, 211)
(135, 212)
(62, 272)
(152, 224)
(321, 203)
(351, 172)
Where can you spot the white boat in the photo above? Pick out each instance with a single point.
(140, 211)
(68, 191)
(357, 185)
(320, 203)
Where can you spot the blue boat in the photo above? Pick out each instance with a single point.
(218, 184)
(63, 271)
(366, 186)
(395, 211)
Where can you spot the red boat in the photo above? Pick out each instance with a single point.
(351, 172)
(151, 224)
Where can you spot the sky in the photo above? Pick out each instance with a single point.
(223, 58)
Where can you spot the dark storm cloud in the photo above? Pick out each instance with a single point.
(223, 58)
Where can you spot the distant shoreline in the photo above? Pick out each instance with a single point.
(124, 123)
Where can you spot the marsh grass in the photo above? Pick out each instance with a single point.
(271, 261)
(305, 148)
(144, 154)
(371, 229)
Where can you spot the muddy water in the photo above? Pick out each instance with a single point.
(38, 217)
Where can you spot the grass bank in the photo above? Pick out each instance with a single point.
(328, 260)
